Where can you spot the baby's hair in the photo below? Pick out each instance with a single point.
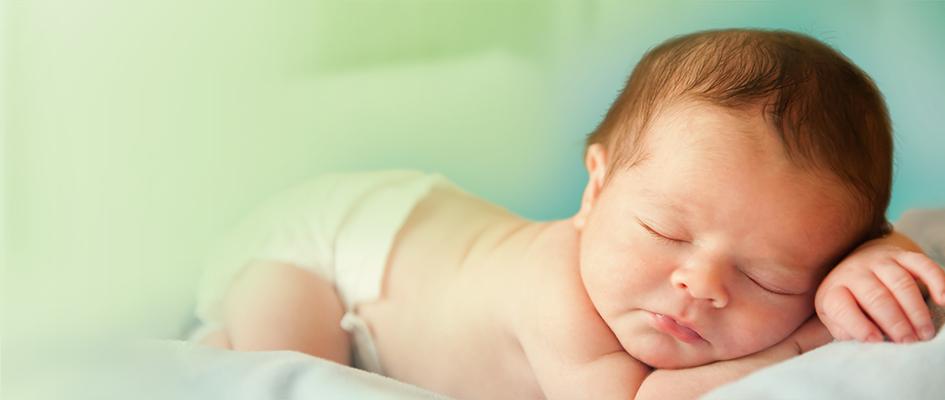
(828, 114)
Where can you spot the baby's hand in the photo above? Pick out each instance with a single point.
(876, 285)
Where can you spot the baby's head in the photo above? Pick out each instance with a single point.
(734, 170)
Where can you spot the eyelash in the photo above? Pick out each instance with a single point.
(763, 287)
(659, 236)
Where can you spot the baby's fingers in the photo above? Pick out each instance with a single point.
(922, 267)
(903, 287)
(846, 320)
(882, 306)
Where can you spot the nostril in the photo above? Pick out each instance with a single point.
(678, 279)
(720, 300)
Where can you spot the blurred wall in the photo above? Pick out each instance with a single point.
(135, 132)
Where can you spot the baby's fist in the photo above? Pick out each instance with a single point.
(876, 285)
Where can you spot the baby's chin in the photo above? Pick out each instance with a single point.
(676, 355)
(664, 352)
(679, 358)
(669, 360)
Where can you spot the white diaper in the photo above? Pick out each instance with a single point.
(339, 226)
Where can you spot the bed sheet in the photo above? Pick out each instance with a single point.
(173, 369)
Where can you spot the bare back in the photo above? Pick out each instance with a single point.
(436, 324)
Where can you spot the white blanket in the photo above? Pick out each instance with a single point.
(171, 369)
(850, 370)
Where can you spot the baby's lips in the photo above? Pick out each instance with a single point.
(680, 331)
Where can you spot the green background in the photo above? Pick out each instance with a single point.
(133, 133)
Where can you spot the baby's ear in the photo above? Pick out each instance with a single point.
(596, 162)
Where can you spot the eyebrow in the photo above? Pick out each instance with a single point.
(664, 202)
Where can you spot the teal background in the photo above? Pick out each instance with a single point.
(135, 132)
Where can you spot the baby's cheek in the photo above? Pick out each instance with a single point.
(776, 323)
(761, 326)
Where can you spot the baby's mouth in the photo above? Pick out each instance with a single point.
(681, 332)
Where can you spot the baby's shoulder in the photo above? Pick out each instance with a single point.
(559, 310)
(566, 341)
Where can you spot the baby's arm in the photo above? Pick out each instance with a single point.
(275, 306)
(691, 383)
(612, 376)
(571, 350)
(874, 290)
(579, 358)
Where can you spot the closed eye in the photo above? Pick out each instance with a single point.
(765, 288)
(658, 235)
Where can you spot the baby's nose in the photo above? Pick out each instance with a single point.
(702, 281)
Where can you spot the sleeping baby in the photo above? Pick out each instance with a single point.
(737, 187)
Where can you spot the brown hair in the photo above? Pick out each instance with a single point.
(828, 113)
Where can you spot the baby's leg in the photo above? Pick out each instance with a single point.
(275, 306)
